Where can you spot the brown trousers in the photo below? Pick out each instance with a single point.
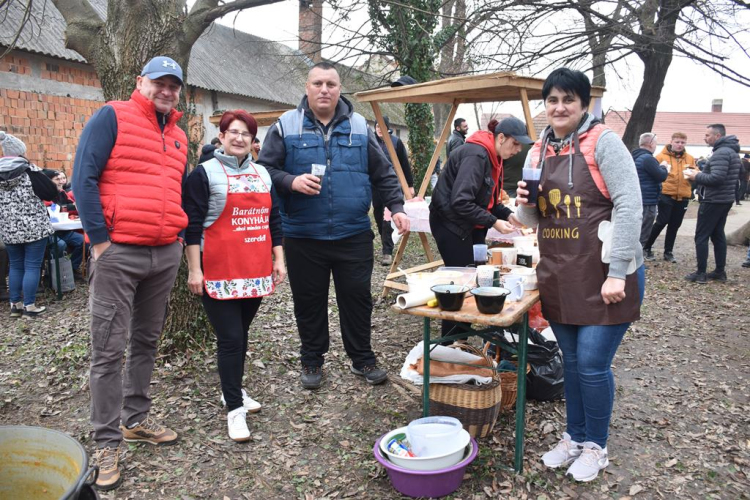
(129, 289)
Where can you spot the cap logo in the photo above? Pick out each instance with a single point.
(168, 64)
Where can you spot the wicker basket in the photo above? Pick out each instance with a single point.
(509, 385)
(476, 406)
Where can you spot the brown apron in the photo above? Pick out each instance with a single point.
(571, 272)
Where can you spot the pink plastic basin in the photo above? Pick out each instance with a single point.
(434, 483)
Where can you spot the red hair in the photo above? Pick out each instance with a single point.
(238, 114)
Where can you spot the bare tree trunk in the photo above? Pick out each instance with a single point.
(644, 111)
(740, 236)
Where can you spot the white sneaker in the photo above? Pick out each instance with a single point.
(237, 425)
(565, 452)
(593, 459)
(33, 310)
(251, 405)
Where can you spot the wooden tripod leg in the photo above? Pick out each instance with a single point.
(426, 246)
(396, 260)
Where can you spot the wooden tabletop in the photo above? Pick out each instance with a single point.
(511, 313)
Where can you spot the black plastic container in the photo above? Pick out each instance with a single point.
(490, 300)
(450, 297)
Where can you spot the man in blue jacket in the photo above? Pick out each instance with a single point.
(323, 161)
(650, 175)
(715, 186)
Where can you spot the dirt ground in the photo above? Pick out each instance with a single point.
(680, 427)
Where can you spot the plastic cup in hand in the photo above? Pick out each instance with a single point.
(480, 254)
(531, 177)
(318, 170)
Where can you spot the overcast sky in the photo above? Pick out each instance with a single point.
(689, 87)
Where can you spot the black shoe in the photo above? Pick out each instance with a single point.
(372, 374)
(311, 376)
(717, 276)
(697, 277)
(746, 263)
(669, 257)
(648, 254)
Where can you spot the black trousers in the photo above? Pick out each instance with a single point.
(384, 228)
(712, 217)
(670, 213)
(231, 321)
(456, 252)
(310, 264)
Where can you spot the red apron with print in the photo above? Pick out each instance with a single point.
(237, 247)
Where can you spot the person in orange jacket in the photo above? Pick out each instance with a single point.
(675, 196)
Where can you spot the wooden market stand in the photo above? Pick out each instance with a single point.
(454, 91)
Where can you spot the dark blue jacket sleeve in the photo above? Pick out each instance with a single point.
(94, 148)
(274, 221)
(653, 169)
(273, 156)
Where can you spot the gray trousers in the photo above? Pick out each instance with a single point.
(649, 215)
(129, 289)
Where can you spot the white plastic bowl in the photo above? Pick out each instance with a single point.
(531, 282)
(420, 282)
(434, 436)
(426, 463)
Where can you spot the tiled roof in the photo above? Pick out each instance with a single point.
(223, 59)
(692, 124)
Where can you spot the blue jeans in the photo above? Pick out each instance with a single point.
(589, 383)
(25, 267)
(72, 240)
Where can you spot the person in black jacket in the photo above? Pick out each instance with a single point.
(716, 186)
(650, 176)
(466, 201)
(207, 151)
(384, 227)
(457, 138)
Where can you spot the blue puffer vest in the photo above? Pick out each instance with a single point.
(341, 209)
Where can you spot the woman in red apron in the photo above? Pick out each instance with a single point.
(591, 274)
(234, 252)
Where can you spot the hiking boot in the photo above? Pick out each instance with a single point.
(16, 310)
(108, 460)
(648, 254)
(746, 263)
(311, 376)
(237, 425)
(564, 453)
(33, 310)
(587, 466)
(148, 431)
(697, 277)
(720, 276)
(669, 257)
(251, 405)
(371, 373)
(387, 260)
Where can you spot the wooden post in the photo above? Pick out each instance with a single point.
(527, 113)
(391, 150)
(433, 161)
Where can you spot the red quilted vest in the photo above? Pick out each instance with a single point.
(141, 185)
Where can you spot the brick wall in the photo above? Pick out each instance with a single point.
(49, 124)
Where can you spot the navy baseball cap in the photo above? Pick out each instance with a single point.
(404, 80)
(162, 66)
(514, 128)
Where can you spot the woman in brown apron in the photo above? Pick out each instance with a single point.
(234, 252)
(591, 274)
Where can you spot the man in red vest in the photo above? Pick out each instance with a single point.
(127, 176)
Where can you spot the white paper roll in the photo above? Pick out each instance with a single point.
(406, 300)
